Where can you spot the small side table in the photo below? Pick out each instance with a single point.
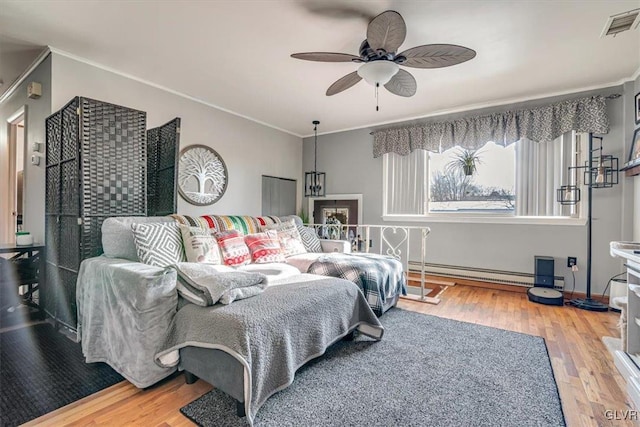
(39, 278)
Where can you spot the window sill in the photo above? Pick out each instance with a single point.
(477, 219)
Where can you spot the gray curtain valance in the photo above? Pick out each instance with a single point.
(538, 124)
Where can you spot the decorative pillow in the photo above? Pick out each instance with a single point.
(200, 245)
(289, 238)
(264, 247)
(234, 250)
(309, 239)
(158, 244)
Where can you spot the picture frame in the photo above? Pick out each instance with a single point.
(634, 153)
(202, 175)
(637, 109)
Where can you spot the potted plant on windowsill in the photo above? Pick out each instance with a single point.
(465, 160)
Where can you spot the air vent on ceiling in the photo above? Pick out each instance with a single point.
(621, 22)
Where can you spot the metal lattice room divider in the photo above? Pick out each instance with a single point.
(96, 167)
(163, 145)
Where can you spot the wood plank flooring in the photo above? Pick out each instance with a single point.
(588, 381)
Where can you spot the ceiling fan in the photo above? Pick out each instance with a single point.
(380, 62)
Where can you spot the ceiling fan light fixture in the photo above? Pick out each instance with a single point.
(378, 72)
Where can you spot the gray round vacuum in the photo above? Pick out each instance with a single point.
(546, 296)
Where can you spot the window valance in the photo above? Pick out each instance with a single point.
(538, 124)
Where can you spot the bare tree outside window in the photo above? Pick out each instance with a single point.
(488, 185)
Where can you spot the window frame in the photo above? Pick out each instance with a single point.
(576, 219)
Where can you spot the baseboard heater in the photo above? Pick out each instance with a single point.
(511, 278)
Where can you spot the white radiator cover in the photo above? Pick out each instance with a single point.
(502, 277)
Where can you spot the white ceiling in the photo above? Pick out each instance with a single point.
(15, 58)
(235, 54)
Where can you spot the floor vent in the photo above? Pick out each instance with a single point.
(621, 22)
(512, 278)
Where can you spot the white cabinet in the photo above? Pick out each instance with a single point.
(628, 363)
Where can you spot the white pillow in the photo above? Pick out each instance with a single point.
(289, 238)
(200, 245)
(158, 244)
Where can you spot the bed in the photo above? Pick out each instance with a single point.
(130, 317)
(259, 343)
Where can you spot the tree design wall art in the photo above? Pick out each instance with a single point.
(202, 175)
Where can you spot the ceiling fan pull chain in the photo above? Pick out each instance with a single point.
(377, 86)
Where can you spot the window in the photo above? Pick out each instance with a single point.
(404, 189)
(518, 180)
(490, 188)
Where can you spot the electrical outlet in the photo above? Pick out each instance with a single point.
(571, 261)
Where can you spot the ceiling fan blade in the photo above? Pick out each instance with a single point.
(436, 55)
(339, 9)
(386, 31)
(344, 83)
(402, 84)
(325, 56)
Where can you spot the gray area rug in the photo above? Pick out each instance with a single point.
(426, 371)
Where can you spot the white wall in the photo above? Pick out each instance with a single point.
(249, 149)
(347, 159)
(36, 112)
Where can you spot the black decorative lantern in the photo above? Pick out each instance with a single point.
(604, 172)
(314, 181)
(568, 194)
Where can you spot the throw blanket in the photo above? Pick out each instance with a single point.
(379, 277)
(203, 285)
(275, 333)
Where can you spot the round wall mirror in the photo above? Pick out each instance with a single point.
(202, 175)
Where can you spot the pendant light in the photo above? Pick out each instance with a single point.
(314, 181)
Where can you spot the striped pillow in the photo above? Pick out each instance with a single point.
(264, 247)
(234, 250)
(158, 244)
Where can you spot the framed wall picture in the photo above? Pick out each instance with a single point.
(202, 175)
(634, 154)
(637, 109)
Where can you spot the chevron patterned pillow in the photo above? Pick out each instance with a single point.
(309, 239)
(158, 244)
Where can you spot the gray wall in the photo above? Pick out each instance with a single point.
(347, 159)
(36, 112)
(249, 149)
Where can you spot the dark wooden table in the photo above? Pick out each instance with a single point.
(30, 250)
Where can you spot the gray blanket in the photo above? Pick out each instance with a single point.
(203, 285)
(275, 333)
(124, 311)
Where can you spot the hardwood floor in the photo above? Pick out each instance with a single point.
(587, 379)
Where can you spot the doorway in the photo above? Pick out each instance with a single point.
(14, 182)
(278, 196)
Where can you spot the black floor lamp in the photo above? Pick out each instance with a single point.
(603, 175)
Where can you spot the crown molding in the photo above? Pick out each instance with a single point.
(165, 89)
(14, 86)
